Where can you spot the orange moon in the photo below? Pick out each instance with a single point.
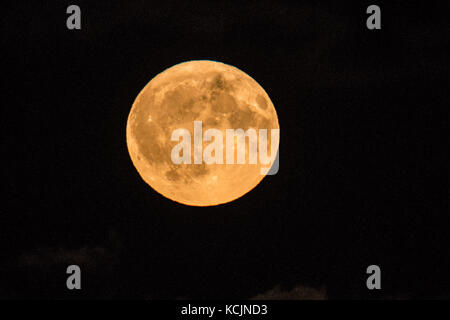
(222, 97)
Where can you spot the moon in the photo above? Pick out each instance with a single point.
(222, 97)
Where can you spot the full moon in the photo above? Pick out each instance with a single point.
(221, 97)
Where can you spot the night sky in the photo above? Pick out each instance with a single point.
(362, 176)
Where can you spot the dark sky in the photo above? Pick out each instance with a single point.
(362, 175)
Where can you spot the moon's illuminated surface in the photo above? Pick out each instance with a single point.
(219, 95)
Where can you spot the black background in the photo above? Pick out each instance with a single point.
(362, 176)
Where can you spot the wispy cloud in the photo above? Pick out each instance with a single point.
(299, 292)
(88, 257)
